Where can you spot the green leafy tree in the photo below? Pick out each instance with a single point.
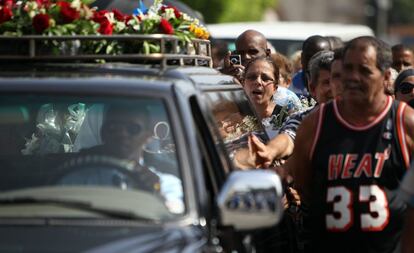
(218, 11)
(402, 12)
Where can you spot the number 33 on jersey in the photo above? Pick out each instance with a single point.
(375, 219)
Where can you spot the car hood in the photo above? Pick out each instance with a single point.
(100, 239)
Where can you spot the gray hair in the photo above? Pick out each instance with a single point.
(321, 60)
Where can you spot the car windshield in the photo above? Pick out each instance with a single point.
(234, 120)
(88, 157)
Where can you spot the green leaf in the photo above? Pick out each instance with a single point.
(146, 47)
(154, 48)
(87, 2)
(109, 49)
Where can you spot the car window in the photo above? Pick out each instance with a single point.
(61, 147)
(234, 120)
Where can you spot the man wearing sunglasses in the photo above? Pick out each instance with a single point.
(404, 86)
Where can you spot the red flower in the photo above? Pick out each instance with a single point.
(177, 13)
(45, 3)
(105, 27)
(99, 16)
(129, 17)
(41, 22)
(68, 13)
(5, 14)
(8, 3)
(119, 15)
(166, 27)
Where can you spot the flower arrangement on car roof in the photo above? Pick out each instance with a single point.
(76, 17)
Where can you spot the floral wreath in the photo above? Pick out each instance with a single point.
(76, 17)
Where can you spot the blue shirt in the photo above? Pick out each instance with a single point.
(298, 85)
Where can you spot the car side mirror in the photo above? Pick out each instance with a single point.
(251, 200)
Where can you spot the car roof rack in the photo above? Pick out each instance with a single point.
(171, 50)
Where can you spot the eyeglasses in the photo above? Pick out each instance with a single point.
(406, 87)
(130, 127)
(266, 80)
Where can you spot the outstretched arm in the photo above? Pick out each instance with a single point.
(299, 164)
(278, 148)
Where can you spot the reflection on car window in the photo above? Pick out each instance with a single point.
(120, 144)
(234, 119)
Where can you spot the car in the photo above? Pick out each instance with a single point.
(287, 37)
(130, 155)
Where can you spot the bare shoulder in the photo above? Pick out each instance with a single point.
(299, 164)
(308, 127)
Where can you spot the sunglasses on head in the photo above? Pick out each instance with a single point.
(406, 87)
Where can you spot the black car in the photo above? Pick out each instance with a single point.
(126, 156)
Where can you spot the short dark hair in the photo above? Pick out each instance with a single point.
(400, 47)
(383, 50)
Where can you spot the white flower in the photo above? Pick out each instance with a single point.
(111, 17)
(87, 12)
(31, 8)
(76, 4)
(188, 18)
(155, 7)
(119, 26)
(153, 16)
(135, 23)
(169, 14)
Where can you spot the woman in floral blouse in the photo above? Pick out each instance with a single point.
(260, 83)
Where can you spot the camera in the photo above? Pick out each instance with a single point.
(235, 59)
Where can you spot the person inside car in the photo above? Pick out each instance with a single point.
(124, 134)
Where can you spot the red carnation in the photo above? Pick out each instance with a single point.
(129, 17)
(166, 27)
(6, 14)
(119, 15)
(68, 13)
(177, 13)
(105, 27)
(41, 22)
(99, 16)
(45, 3)
(8, 3)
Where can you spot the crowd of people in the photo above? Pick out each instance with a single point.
(345, 153)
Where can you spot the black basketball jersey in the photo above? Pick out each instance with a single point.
(356, 174)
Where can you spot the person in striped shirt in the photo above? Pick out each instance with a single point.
(324, 83)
